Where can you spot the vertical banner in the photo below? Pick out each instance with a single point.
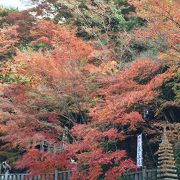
(139, 161)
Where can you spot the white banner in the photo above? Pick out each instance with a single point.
(139, 151)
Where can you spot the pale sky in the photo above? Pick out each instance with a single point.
(14, 3)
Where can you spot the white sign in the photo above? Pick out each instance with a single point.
(139, 151)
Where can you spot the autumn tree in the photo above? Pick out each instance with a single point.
(8, 40)
(59, 88)
(54, 93)
(162, 24)
(95, 144)
(116, 114)
(162, 30)
(23, 21)
(162, 36)
(104, 23)
(59, 94)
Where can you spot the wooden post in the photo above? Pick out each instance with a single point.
(54, 149)
(144, 173)
(69, 175)
(6, 175)
(56, 175)
(42, 145)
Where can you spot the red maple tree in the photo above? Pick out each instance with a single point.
(8, 39)
(59, 81)
(30, 111)
(115, 114)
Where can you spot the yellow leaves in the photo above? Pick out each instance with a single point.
(109, 68)
(3, 128)
(171, 56)
(2, 10)
(169, 2)
(155, 10)
(91, 68)
(2, 37)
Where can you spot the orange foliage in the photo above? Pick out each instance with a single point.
(25, 127)
(26, 117)
(31, 113)
(23, 20)
(55, 75)
(8, 38)
(61, 62)
(163, 23)
(129, 88)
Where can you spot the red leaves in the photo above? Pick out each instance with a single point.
(64, 62)
(132, 119)
(56, 79)
(8, 38)
(38, 161)
(137, 85)
(90, 134)
(60, 80)
(112, 134)
(15, 32)
(141, 68)
(52, 117)
(95, 142)
(43, 40)
(116, 171)
(69, 47)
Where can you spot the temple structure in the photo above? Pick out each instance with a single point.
(166, 162)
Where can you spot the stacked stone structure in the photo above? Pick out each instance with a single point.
(166, 162)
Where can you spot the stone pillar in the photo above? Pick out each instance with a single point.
(166, 162)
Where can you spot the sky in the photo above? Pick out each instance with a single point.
(13, 3)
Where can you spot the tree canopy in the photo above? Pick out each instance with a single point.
(76, 78)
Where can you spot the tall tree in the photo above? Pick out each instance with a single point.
(105, 23)
(8, 40)
(163, 23)
(54, 94)
(23, 21)
(116, 114)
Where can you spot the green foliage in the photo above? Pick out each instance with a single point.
(102, 22)
(171, 90)
(5, 11)
(114, 15)
(121, 22)
(10, 154)
(13, 78)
